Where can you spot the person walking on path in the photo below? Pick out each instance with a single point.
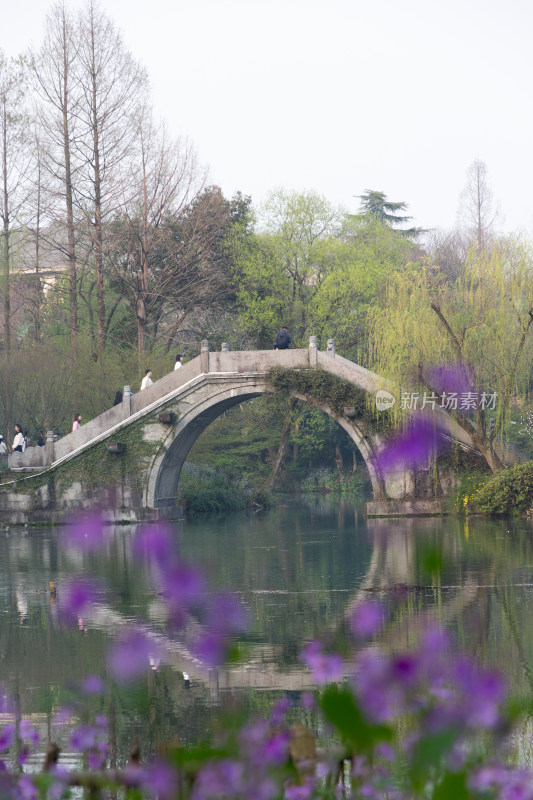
(147, 380)
(77, 422)
(283, 339)
(179, 361)
(18, 441)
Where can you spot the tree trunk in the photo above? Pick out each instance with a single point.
(69, 201)
(283, 447)
(6, 255)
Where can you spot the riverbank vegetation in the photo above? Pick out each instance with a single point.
(508, 493)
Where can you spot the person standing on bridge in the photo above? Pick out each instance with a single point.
(18, 441)
(283, 339)
(76, 422)
(179, 361)
(147, 380)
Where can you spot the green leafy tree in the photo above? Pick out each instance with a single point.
(363, 257)
(279, 264)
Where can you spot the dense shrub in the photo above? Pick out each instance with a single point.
(206, 490)
(326, 480)
(508, 492)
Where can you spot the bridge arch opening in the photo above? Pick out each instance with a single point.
(162, 486)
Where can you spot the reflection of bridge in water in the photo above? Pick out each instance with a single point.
(391, 577)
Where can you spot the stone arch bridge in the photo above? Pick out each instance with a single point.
(169, 416)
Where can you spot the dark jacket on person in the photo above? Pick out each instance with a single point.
(283, 340)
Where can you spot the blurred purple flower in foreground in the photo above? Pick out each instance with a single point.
(153, 543)
(93, 685)
(85, 533)
(7, 736)
(450, 378)
(183, 586)
(226, 614)
(367, 619)
(130, 656)
(28, 732)
(6, 703)
(26, 789)
(77, 596)
(161, 780)
(412, 448)
(324, 667)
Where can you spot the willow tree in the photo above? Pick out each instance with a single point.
(483, 321)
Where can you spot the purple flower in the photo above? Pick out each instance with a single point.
(226, 614)
(6, 703)
(153, 543)
(129, 657)
(27, 789)
(182, 586)
(279, 710)
(367, 619)
(324, 667)
(210, 647)
(28, 732)
(481, 694)
(412, 448)
(161, 780)
(219, 779)
(77, 596)
(381, 697)
(450, 378)
(275, 751)
(93, 685)
(303, 791)
(85, 533)
(96, 758)
(63, 715)
(84, 738)
(7, 736)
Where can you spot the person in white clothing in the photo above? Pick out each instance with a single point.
(18, 441)
(179, 360)
(147, 380)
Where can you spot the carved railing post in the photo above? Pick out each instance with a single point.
(330, 350)
(204, 356)
(224, 347)
(313, 352)
(126, 401)
(49, 447)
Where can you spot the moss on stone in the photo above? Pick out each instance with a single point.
(329, 390)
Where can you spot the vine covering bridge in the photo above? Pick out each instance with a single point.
(129, 458)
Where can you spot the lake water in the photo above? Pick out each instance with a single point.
(300, 569)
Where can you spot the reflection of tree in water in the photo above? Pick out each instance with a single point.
(412, 571)
(476, 593)
(301, 574)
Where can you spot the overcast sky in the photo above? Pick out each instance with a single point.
(338, 96)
